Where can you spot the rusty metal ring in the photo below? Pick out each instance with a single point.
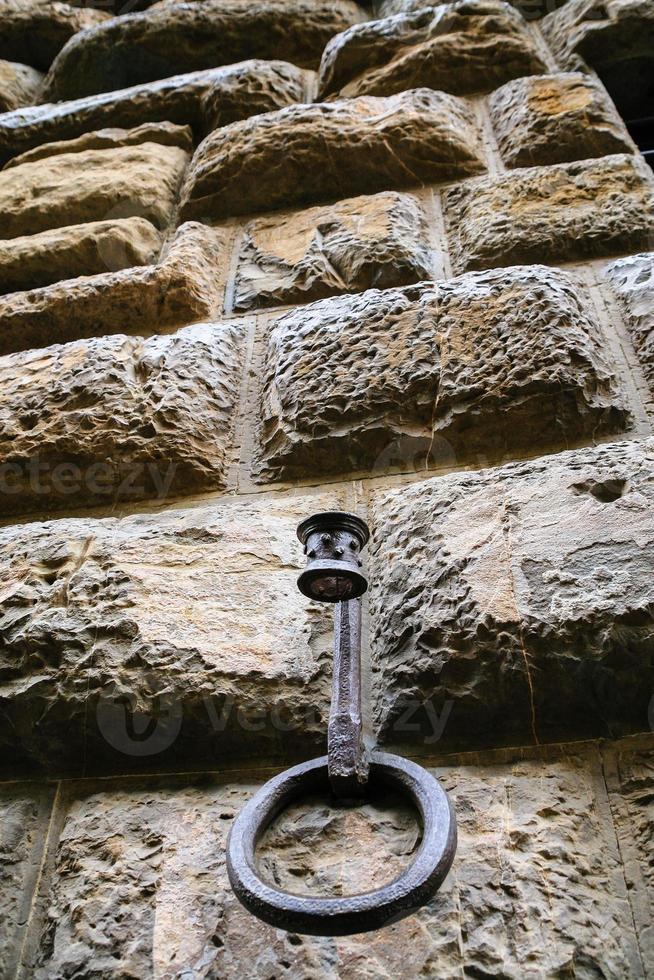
(353, 913)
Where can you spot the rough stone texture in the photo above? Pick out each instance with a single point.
(77, 250)
(536, 889)
(34, 31)
(306, 153)
(555, 119)
(631, 786)
(186, 37)
(23, 808)
(564, 212)
(132, 418)
(202, 99)
(92, 185)
(377, 241)
(19, 85)
(616, 39)
(482, 364)
(164, 133)
(109, 625)
(467, 46)
(186, 286)
(633, 281)
(520, 597)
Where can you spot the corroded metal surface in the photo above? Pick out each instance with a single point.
(353, 913)
(332, 541)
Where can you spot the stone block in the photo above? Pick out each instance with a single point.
(461, 47)
(164, 133)
(185, 286)
(19, 85)
(92, 185)
(566, 212)
(514, 605)
(613, 37)
(536, 889)
(24, 813)
(376, 241)
(632, 279)
(555, 119)
(35, 31)
(112, 418)
(162, 639)
(475, 367)
(185, 37)
(77, 250)
(202, 99)
(307, 153)
(630, 781)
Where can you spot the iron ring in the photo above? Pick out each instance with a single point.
(414, 886)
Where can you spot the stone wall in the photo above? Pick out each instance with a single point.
(261, 259)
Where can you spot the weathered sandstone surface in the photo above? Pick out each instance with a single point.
(34, 31)
(117, 418)
(202, 100)
(554, 119)
(187, 37)
(164, 133)
(475, 366)
(19, 85)
(308, 153)
(518, 599)
(112, 625)
(24, 816)
(461, 47)
(378, 241)
(630, 779)
(537, 880)
(632, 279)
(76, 250)
(568, 211)
(613, 37)
(185, 286)
(91, 185)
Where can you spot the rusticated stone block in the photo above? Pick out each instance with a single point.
(479, 365)
(185, 286)
(187, 37)
(616, 39)
(77, 250)
(92, 185)
(202, 99)
(19, 85)
(564, 212)
(117, 418)
(308, 153)
(633, 281)
(125, 642)
(34, 31)
(461, 47)
(555, 119)
(516, 603)
(535, 891)
(630, 780)
(381, 241)
(24, 812)
(165, 133)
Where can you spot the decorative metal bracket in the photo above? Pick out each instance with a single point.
(333, 542)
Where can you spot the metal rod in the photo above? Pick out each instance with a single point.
(348, 764)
